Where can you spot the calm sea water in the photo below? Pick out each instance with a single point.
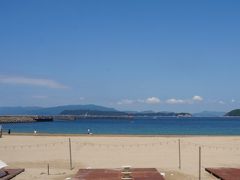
(164, 126)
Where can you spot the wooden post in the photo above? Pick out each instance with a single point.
(1, 131)
(179, 154)
(48, 169)
(200, 162)
(70, 154)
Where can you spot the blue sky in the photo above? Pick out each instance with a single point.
(131, 55)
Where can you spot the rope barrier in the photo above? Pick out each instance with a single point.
(211, 146)
(89, 144)
(84, 144)
(31, 146)
(125, 145)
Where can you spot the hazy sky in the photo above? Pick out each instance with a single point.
(128, 54)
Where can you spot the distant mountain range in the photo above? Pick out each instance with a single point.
(89, 109)
(50, 110)
(93, 113)
(209, 114)
(122, 113)
(76, 109)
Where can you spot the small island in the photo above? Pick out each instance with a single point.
(234, 113)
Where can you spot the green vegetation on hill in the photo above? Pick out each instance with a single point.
(121, 113)
(50, 110)
(93, 113)
(82, 110)
(235, 112)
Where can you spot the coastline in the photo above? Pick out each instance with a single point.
(115, 135)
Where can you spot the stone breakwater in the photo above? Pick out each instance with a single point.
(17, 119)
(35, 118)
(24, 119)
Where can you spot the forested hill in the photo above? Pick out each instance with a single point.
(120, 113)
(50, 110)
(93, 113)
(235, 112)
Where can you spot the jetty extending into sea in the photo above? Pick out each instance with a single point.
(24, 119)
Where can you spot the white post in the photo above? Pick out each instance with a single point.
(179, 154)
(70, 153)
(200, 162)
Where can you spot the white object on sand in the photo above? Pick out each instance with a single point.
(163, 174)
(2, 164)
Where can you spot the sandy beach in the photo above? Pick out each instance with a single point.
(34, 153)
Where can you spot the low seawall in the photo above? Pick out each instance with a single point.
(17, 119)
(35, 118)
(24, 119)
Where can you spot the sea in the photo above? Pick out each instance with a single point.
(138, 126)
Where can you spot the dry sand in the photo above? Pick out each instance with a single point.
(34, 153)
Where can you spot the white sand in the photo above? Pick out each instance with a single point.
(34, 153)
